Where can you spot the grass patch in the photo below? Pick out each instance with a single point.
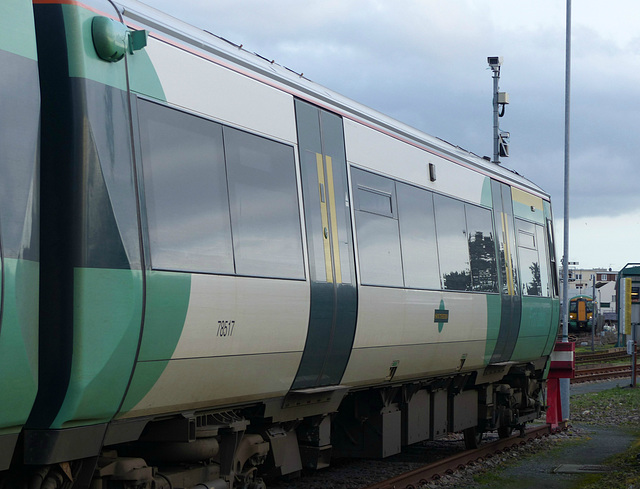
(618, 406)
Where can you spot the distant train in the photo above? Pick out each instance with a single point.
(215, 270)
(580, 313)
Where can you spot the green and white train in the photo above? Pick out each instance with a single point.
(215, 270)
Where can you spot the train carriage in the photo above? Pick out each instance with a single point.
(246, 273)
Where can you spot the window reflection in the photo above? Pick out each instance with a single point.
(530, 272)
(214, 207)
(482, 251)
(185, 190)
(452, 243)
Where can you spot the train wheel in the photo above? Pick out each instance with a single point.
(472, 438)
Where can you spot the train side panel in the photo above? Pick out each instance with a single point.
(233, 327)
(399, 336)
(19, 221)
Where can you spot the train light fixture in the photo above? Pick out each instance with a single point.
(500, 101)
(112, 40)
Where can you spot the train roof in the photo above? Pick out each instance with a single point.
(168, 28)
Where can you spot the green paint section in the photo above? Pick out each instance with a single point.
(17, 29)
(143, 78)
(441, 308)
(494, 311)
(167, 303)
(554, 327)
(534, 328)
(485, 197)
(166, 310)
(630, 272)
(84, 62)
(106, 330)
(18, 343)
(145, 377)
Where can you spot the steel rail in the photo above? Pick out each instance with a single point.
(600, 357)
(601, 373)
(421, 476)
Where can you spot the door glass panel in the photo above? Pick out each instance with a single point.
(337, 196)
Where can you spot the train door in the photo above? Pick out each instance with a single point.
(332, 317)
(511, 302)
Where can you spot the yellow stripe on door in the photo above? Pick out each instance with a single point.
(325, 218)
(334, 220)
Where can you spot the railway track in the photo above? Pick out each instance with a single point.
(423, 475)
(602, 373)
(590, 358)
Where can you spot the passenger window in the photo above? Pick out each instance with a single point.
(185, 191)
(378, 232)
(418, 237)
(452, 243)
(265, 218)
(218, 200)
(482, 249)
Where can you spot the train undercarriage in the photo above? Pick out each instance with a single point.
(246, 446)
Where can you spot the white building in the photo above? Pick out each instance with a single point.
(581, 282)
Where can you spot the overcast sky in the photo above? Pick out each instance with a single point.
(424, 62)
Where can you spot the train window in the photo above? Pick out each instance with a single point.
(418, 237)
(482, 249)
(185, 190)
(452, 243)
(265, 219)
(378, 234)
(373, 201)
(374, 193)
(530, 271)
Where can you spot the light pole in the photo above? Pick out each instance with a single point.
(564, 383)
(500, 99)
